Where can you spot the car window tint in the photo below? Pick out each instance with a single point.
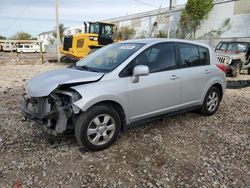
(204, 56)
(160, 57)
(189, 55)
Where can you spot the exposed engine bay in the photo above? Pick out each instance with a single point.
(56, 112)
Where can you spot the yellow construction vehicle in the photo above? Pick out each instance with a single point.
(80, 45)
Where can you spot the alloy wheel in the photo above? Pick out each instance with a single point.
(101, 129)
(212, 101)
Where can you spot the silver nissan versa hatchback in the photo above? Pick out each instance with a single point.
(125, 84)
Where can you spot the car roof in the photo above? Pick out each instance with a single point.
(159, 40)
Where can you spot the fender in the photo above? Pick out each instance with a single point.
(213, 81)
(84, 104)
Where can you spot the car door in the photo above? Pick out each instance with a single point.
(195, 72)
(160, 91)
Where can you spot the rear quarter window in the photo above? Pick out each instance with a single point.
(193, 55)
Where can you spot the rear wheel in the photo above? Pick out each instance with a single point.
(211, 102)
(98, 128)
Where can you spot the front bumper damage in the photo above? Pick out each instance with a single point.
(56, 114)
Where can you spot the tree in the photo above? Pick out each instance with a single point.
(21, 36)
(124, 33)
(2, 37)
(61, 30)
(196, 11)
(162, 34)
(184, 27)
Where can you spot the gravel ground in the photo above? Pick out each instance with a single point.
(242, 76)
(182, 151)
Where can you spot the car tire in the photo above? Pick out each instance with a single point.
(211, 102)
(236, 68)
(98, 128)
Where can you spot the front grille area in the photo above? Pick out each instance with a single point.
(67, 43)
(224, 60)
(39, 105)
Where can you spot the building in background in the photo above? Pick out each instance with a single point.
(74, 30)
(47, 37)
(237, 11)
(148, 24)
(151, 23)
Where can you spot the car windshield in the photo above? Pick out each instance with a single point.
(109, 57)
(233, 46)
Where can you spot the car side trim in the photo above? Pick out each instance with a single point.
(169, 114)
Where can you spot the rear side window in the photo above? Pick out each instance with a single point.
(193, 55)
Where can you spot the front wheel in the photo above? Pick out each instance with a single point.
(236, 69)
(211, 102)
(98, 128)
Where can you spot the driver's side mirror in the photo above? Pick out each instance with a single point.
(139, 70)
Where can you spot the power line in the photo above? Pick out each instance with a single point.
(142, 2)
(20, 15)
(162, 3)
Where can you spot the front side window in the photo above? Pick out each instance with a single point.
(109, 57)
(193, 55)
(94, 28)
(160, 57)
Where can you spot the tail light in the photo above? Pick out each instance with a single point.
(222, 67)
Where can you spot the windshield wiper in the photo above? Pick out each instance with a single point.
(85, 67)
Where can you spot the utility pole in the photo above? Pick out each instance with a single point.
(169, 22)
(58, 42)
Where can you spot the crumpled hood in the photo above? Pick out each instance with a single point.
(43, 84)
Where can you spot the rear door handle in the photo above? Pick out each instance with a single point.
(174, 77)
(207, 71)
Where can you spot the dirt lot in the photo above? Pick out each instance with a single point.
(183, 151)
(7, 58)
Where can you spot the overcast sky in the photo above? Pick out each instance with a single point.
(36, 16)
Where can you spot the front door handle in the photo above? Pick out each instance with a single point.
(174, 77)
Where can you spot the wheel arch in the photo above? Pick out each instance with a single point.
(116, 104)
(216, 83)
(219, 87)
(118, 108)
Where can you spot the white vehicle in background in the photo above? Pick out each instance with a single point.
(8, 47)
(29, 48)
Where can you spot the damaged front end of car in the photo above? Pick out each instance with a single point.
(56, 112)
